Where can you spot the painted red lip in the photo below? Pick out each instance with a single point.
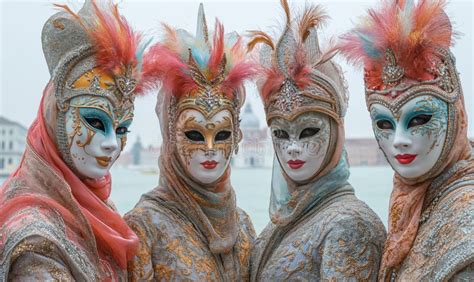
(209, 164)
(296, 164)
(405, 159)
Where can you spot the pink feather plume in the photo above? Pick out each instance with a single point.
(414, 32)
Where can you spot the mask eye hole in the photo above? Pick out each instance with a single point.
(122, 130)
(419, 120)
(223, 135)
(384, 124)
(309, 132)
(95, 123)
(281, 134)
(194, 135)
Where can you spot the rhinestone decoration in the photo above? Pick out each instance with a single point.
(289, 98)
(94, 87)
(208, 101)
(171, 119)
(391, 72)
(445, 82)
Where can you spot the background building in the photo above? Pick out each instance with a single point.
(12, 145)
(364, 152)
(255, 149)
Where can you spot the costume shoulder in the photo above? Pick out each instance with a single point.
(39, 234)
(158, 227)
(353, 244)
(37, 258)
(151, 215)
(246, 224)
(448, 235)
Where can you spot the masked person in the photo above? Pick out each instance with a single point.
(415, 100)
(56, 220)
(189, 226)
(319, 230)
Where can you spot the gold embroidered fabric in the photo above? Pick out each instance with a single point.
(172, 248)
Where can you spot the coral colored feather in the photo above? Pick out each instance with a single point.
(217, 51)
(313, 17)
(161, 63)
(272, 81)
(114, 40)
(116, 44)
(167, 62)
(271, 78)
(415, 33)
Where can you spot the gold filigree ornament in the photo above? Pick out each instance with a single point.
(392, 73)
(208, 99)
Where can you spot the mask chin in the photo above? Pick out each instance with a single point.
(204, 171)
(302, 145)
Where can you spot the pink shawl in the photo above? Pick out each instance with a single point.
(112, 235)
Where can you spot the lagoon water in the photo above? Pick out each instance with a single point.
(252, 187)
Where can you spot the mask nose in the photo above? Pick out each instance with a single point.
(294, 150)
(110, 144)
(210, 152)
(401, 140)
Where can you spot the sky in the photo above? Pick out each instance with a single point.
(24, 73)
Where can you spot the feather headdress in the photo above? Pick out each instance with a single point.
(294, 54)
(402, 37)
(294, 75)
(187, 64)
(118, 48)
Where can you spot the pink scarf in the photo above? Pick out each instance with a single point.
(113, 236)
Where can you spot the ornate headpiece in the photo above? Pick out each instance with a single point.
(295, 76)
(199, 73)
(404, 49)
(94, 52)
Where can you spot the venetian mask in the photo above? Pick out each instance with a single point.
(96, 134)
(412, 138)
(302, 144)
(205, 143)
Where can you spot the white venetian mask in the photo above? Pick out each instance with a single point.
(205, 145)
(412, 139)
(96, 136)
(301, 145)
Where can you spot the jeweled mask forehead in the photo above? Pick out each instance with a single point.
(85, 78)
(291, 101)
(207, 103)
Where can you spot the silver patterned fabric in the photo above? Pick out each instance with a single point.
(444, 246)
(37, 245)
(334, 237)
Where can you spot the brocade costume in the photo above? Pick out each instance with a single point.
(404, 48)
(56, 223)
(319, 230)
(188, 229)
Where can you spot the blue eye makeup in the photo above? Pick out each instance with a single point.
(96, 119)
(419, 120)
(384, 122)
(122, 129)
(423, 112)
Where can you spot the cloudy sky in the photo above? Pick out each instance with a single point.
(24, 72)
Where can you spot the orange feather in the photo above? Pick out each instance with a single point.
(259, 37)
(313, 17)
